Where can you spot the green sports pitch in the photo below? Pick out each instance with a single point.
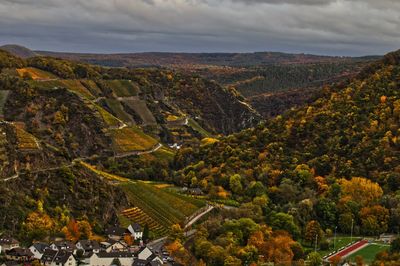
(369, 252)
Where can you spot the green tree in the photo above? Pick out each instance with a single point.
(284, 221)
(345, 221)
(314, 259)
(232, 261)
(298, 251)
(146, 232)
(395, 246)
(326, 212)
(176, 232)
(235, 184)
(313, 232)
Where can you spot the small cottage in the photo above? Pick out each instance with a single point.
(122, 258)
(111, 245)
(63, 245)
(38, 249)
(88, 246)
(58, 258)
(116, 233)
(19, 254)
(136, 231)
(7, 243)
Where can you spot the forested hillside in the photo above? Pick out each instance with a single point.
(274, 89)
(72, 131)
(58, 115)
(272, 82)
(316, 167)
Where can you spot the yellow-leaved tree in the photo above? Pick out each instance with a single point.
(360, 190)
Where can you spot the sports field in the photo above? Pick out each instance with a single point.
(341, 241)
(369, 252)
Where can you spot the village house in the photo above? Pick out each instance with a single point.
(116, 233)
(38, 249)
(19, 254)
(144, 253)
(122, 258)
(88, 246)
(147, 257)
(136, 231)
(63, 245)
(58, 258)
(147, 263)
(111, 245)
(7, 243)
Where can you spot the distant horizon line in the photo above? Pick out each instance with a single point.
(195, 53)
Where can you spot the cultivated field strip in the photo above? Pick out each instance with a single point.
(164, 206)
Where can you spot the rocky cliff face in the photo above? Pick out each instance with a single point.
(218, 109)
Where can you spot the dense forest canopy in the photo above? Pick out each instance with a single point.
(323, 165)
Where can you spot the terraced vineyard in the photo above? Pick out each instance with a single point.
(117, 109)
(26, 141)
(138, 216)
(161, 203)
(140, 108)
(130, 139)
(71, 84)
(35, 73)
(92, 87)
(123, 88)
(108, 118)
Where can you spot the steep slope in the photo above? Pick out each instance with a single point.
(66, 192)
(57, 114)
(274, 89)
(60, 119)
(303, 160)
(341, 126)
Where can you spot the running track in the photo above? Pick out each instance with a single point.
(349, 250)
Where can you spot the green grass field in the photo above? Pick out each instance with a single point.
(160, 202)
(369, 252)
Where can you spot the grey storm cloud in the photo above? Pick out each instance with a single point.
(281, 2)
(339, 27)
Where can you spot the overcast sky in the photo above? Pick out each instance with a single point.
(334, 27)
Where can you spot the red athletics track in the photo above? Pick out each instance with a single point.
(347, 251)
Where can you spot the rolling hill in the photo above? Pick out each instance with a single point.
(271, 82)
